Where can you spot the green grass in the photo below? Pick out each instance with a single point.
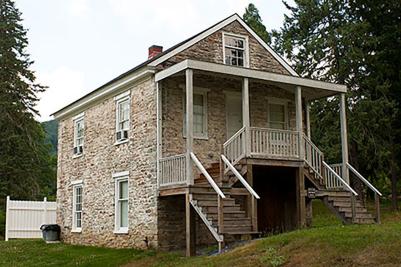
(326, 243)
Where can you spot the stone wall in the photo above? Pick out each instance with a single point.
(208, 150)
(102, 158)
(210, 49)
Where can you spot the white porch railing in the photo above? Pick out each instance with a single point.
(331, 180)
(173, 170)
(274, 143)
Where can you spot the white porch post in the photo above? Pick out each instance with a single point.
(158, 129)
(308, 119)
(298, 111)
(344, 138)
(189, 122)
(245, 115)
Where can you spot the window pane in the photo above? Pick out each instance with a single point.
(124, 213)
(277, 116)
(78, 220)
(123, 190)
(198, 111)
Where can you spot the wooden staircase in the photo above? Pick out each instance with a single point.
(339, 201)
(236, 221)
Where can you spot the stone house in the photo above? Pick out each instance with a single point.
(208, 141)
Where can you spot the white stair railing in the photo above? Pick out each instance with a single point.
(239, 177)
(313, 156)
(235, 147)
(207, 175)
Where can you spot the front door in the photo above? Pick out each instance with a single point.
(233, 113)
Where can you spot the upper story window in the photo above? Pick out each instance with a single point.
(77, 208)
(235, 50)
(79, 135)
(122, 117)
(277, 115)
(200, 115)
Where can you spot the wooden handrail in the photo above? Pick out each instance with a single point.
(363, 179)
(206, 174)
(340, 179)
(240, 178)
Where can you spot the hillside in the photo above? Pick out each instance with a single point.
(51, 129)
(327, 243)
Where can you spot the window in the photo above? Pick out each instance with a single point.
(79, 135)
(235, 50)
(77, 208)
(121, 202)
(277, 113)
(200, 115)
(122, 118)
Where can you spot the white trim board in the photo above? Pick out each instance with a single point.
(217, 27)
(249, 73)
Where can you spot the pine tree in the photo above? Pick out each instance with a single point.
(25, 163)
(354, 43)
(253, 19)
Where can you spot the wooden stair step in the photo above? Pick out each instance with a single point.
(364, 221)
(359, 215)
(229, 228)
(345, 204)
(349, 209)
(227, 214)
(213, 203)
(210, 209)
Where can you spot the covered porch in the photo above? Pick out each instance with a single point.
(183, 155)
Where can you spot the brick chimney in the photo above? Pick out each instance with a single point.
(154, 50)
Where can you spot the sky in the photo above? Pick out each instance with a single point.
(79, 45)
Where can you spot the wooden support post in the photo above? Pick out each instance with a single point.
(344, 138)
(252, 208)
(298, 111)
(159, 130)
(309, 212)
(190, 227)
(222, 166)
(353, 207)
(377, 208)
(308, 133)
(300, 187)
(220, 213)
(245, 115)
(189, 121)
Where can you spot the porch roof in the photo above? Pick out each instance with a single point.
(311, 89)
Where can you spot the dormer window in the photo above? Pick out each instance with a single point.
(235, 50)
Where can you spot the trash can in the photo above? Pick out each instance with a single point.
(50, 232)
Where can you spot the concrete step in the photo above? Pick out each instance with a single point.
(364, 221)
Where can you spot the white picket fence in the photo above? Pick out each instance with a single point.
(24, 218)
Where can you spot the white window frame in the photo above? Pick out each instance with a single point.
(75, 186)
(76, 120)
(278, 101)
(203, 92)
(124, 97)
(120, 177)
(246, 48)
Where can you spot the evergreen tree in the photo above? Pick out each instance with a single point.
(253, 19)
(354, 43)
(26, 169)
